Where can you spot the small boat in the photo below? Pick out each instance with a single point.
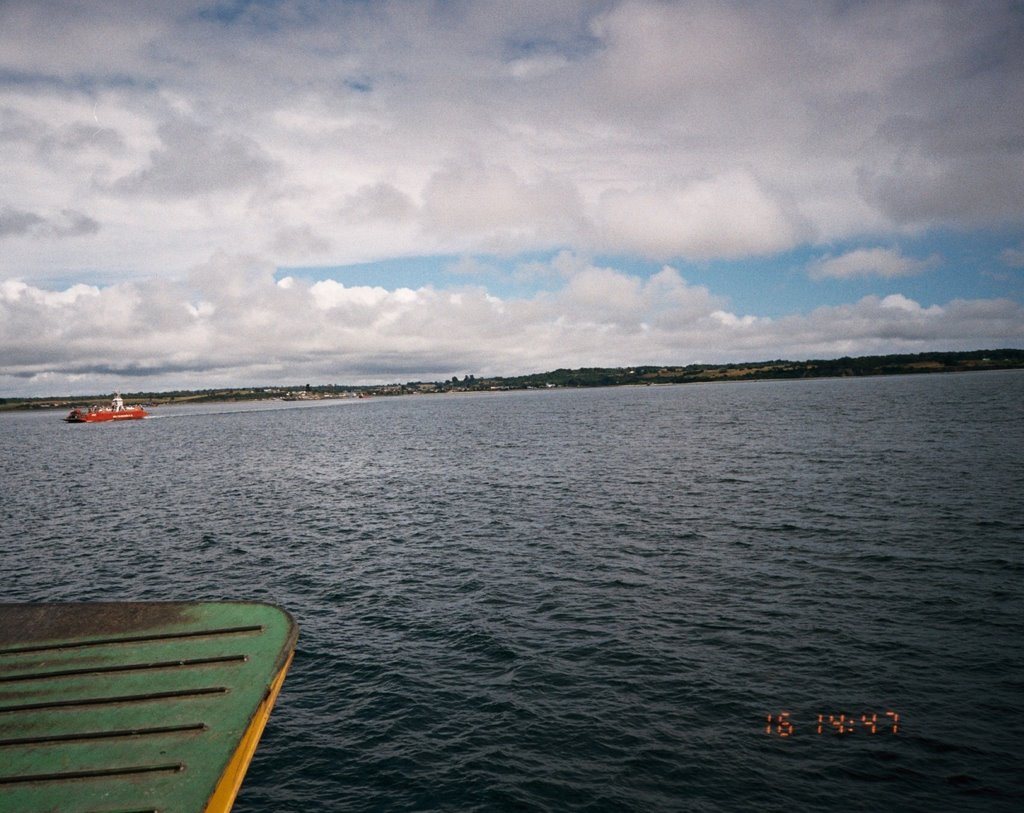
(117, 411)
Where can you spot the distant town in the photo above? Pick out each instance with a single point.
(904, 364)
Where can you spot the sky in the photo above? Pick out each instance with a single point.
(207, 194)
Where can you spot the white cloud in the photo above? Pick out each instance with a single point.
(730, 215)
(329, 294)
(194, 159)
(900, 302)
(379, 201)
(563, 265)
(142, 139)
(672, 129)
(887, 263)
(67, 223)
(299, 241)
(232, 320)
(534, 67)
(492, 207)
(13, 290)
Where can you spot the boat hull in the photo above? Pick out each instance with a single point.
(104, 415)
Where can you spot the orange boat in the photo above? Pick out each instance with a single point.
(117, 411)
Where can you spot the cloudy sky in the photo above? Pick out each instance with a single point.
(198, 194)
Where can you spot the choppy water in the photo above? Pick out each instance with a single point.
(584, 600)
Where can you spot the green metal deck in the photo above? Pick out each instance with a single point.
(125, 708)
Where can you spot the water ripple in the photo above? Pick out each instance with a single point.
(580, 600)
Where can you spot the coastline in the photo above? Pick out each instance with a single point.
(644, 375)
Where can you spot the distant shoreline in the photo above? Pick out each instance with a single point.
(846, 367)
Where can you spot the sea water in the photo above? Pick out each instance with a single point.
(800, 595)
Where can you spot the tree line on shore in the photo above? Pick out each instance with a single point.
(895, 364)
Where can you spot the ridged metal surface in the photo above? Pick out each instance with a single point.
(130, 707)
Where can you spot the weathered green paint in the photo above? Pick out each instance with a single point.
(129, 707)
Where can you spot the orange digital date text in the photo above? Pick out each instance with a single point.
(782, 724)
